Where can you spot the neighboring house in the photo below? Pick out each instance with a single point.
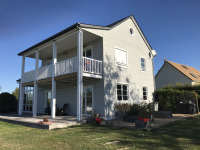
(173, 73)
(91, 68)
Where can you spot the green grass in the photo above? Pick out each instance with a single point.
(184, 134)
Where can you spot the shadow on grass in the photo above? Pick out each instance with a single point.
(182, 134)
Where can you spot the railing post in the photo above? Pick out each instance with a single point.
(21, 99)
(35, 84)
(79, 73)
(53, 99)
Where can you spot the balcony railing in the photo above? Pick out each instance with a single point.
(90, 66)
(66, 66)
(44, 72)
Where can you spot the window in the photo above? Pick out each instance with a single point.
(122, 92)
(131, 31)
(87, 53)
(145, 92)
(28, 99)
(121, 57)
(193, 75)
(143, 64)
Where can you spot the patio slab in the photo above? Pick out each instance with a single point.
(34, 122)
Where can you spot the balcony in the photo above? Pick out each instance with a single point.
(91, 68)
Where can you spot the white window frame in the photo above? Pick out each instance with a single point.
(45, 101)
(143, 93)
(133, 31)
(88, 48)
(141, 64)
(120, 64)
(26, 91)
(118, 83)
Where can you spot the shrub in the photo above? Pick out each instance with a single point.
(170, 97)
(8, 103)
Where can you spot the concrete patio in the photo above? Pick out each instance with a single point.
(34, 122)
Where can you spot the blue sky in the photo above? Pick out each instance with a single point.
(172, 27)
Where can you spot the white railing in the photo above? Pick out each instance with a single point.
(66, 66)
(92, 65)
(28, 76)
(44, 72)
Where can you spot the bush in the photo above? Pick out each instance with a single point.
(170, 97)
(8, 103)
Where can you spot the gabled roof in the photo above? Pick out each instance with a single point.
(188, 71)
(82, 25)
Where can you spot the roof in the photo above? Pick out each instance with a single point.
(108, 27)
(188, 71)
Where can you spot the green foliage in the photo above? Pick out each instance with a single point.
(170, 97)
(142, 109)
(8, 102)
(16, 92)
(124, 107)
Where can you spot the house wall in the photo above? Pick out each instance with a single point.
(132, 75)
(168, 75)
(66, 93)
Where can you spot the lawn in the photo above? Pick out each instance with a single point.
(184, 134)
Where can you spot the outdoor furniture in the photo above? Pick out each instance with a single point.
(61, 111)
(47, 111)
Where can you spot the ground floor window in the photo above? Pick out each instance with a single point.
(122, 92)
(145, 92)
(28, 99)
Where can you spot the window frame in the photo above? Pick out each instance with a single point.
(141, 64)
(118, 63)
(88, 48)
(27, 91)
(122, 84)
(130, 32)
(146, 93)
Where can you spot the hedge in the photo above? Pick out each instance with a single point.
(8, 103)
(169, 98)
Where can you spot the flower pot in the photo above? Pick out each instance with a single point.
(45, 119)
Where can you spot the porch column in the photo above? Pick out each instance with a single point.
(21, 99)
(35, 84)
(79, 74)
(53, 99)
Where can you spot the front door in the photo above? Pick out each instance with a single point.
(87, 100)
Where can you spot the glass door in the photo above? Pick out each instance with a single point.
(47, 99)
(87, 100)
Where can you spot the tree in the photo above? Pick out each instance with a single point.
(16, 93)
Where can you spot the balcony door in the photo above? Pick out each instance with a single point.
(47, 102)
(87, 100)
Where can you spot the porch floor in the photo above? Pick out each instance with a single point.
(34, 122)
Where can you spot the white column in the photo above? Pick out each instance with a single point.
(35, 84)
(79, 74)
(53, 99)
(21, 99)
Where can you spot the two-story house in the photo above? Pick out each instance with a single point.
(89, 67)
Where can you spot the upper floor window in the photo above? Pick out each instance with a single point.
(145, 92)
(122, 92)
(121, 57)
(87, 52)
(143, 64)
(131, 31)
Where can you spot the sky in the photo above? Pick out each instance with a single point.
(172, 27)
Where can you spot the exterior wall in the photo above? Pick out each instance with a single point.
(132, 75)
(67, 93)
(168, 75)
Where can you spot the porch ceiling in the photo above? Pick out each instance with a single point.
(65, 45)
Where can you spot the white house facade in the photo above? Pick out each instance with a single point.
(90, 68)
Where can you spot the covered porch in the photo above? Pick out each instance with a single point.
(64, 61)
